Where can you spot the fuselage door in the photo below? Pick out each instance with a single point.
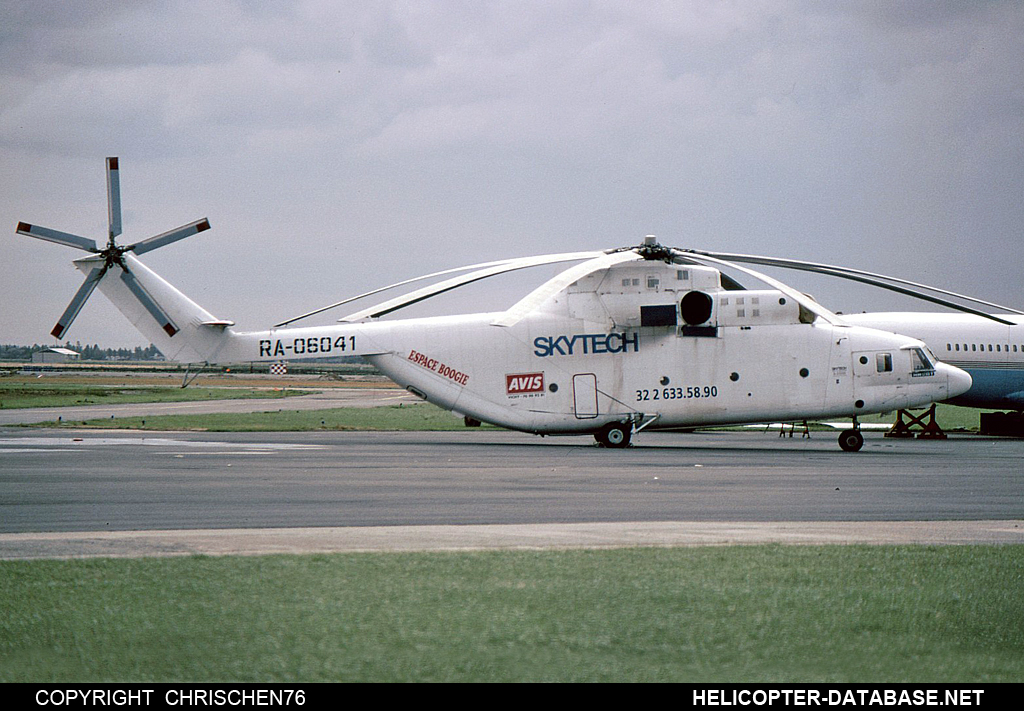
(584, 393)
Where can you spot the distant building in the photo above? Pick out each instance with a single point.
(55, 355)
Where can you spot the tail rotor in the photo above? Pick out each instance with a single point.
(112, 255)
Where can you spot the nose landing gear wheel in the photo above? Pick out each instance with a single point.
(615, 435)
(851, 441)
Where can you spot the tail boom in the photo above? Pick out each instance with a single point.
(202, 338)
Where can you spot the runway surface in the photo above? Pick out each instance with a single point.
(83, 493)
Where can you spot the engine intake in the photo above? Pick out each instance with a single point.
(696, 308)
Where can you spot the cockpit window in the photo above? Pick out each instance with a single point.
(921, 362)
(883, 362)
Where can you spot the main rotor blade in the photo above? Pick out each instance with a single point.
(148, 245)
(113, 198)
(66, 319)
(147, 301)
(872, 279)
(538, 296)
(441, 287)
(582, 255)
(69, 240)
(802, 299)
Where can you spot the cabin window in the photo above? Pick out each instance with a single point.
(883, 362)
(949, 347)
(652, 282)
(682, 274)
(997, 348)
(989, 347)
(958, 346)
(974, 347)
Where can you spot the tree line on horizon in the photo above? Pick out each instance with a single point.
(94, 352)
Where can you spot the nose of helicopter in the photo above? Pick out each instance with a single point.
(958, 381)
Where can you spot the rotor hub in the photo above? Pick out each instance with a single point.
(653, 252)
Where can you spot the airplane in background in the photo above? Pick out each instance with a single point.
(627, 339)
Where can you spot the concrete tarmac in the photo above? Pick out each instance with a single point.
(361, 539)
(129, 493)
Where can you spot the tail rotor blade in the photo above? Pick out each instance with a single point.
(64, 323)
(147, 301)
(113, 197)
(148, 245)
(69, 240)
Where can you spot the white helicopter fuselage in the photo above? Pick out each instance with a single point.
(618, 345)
(992, 353)
(553, 375)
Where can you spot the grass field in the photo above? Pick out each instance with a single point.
(410, 416)
(48, 393)
(950, 417)
(761, 613)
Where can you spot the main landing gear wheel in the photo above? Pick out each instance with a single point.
(851, 441)
(615, 435)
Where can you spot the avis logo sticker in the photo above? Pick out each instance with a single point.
(524, 384)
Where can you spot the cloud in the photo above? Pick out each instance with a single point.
(880, 135)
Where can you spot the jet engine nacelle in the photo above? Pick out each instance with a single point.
(757, 308)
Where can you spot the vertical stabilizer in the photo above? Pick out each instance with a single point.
(190, 337)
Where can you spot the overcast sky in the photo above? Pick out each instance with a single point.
(337, 146)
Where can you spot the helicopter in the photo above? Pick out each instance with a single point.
(646, 337)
